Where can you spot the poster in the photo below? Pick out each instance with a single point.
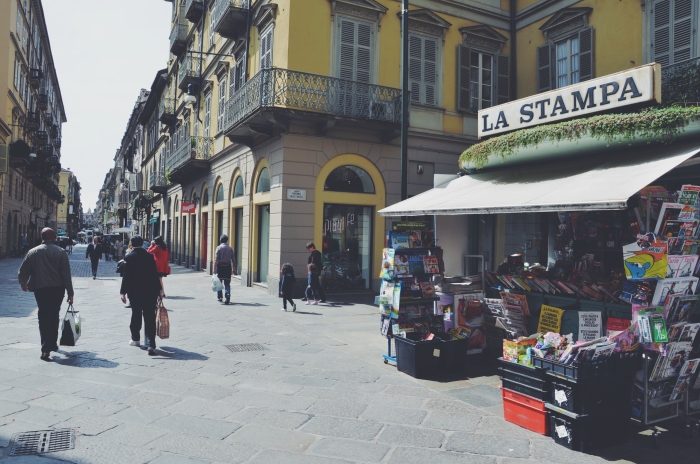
(688, 198)
(644, 260)
(550, 319)
(590, 324)
(666, 287)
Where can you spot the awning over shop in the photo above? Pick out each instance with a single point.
(600, 182)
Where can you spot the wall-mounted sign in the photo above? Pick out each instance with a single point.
(631, 87)
(296, 194)
(275, 181)
(156, 213)
(187, 207)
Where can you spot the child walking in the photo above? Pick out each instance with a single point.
(312, 285)
(287, 286)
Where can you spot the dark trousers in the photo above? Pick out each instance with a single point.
(319, 290)
(94, 263)
(312, 292)
(227, 289)
(287, 296)
(143, 308)
(49, 301)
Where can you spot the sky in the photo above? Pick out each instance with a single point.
(105, 52)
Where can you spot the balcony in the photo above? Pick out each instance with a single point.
(48, 118)
(266, 105)
(31, 121)
(35, 76)
(178, 36)
(189, 160)
(229, 17)
(189, 72)
(57, 142)
(42, 101)
(158, 182)
(680, 82)
(193, 10)
(53, 131)
(19, 153)
(41, 138)
(45, 151)
(166, 111)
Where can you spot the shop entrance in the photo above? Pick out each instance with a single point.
(205, 237)
(238, 236)
(263, 242)
(347, 247)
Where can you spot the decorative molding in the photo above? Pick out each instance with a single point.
(483, 37)
(369, 10)
(221, 69)
(566, 21)
(427, 22)
(238, 47)
(265, 16)
(207, 85)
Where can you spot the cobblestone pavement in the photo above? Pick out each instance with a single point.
(318, 392)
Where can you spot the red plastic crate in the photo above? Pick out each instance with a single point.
(525, 411)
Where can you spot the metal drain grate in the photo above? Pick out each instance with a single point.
(42, 441)
(245, 347)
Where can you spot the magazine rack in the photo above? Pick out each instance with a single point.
(661, 407)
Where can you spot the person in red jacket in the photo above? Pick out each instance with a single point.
(160, 252)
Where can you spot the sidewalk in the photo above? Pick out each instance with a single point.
(318, 391)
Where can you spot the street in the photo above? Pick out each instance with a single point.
(313, 389)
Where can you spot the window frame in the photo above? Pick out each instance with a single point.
(569, 42)
(480, 84)
(207, 115)
(437, 91)
(649, 33)
(337, 44)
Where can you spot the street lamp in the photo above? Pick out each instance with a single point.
(190, 99)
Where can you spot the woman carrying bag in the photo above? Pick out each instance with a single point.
(160, 253)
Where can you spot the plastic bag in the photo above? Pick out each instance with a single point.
(216, 285)
(71, 327)
(162, 321)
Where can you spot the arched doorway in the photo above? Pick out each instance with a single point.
(237, 205)
(261, 203)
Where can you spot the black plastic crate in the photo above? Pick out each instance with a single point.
(419, 359)
(592, 397)
(628, 362)
(525, 375)
(587, 433)
(580, 371)
(535, 372)
(525, 389)
(453, 354)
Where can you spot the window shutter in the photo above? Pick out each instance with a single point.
(355, 50)
(415, 54)
(682, 29)
(463, 100)
(430, 71)
(4, 161)
(347, 49)
(232, 75)
(585, 40)
(241, 65)
(502, 79)
(544, 68)
(222, 105)
(364, 53)
(661, 15)
(266, 49)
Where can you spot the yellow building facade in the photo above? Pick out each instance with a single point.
(68, 212)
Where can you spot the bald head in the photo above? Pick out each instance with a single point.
(48, 235)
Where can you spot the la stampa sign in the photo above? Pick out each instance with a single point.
(626, 88)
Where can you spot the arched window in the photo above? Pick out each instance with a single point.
(220, 193)
(205, 198)
(263, 181)
(349, 179)
(238, 187)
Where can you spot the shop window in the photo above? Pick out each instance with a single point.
(205, 197)
(238, 187)
(263, 181)
(347, 247)
(219, 193)
(349, 179)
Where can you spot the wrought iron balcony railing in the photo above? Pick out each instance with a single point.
(42, 101)
(158, 182)
(229, 17)
(53, 131)
(31, 121)
(57, 142)
(35, 76)
(41, 138)
(193, 10)
(48, 118)
(199, 149)
(166, 110)
(282, 88)
(680, 82)
(189, 71)
(178, 35)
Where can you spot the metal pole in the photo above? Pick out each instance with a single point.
(404, 101)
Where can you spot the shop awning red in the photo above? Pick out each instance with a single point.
(598, 182)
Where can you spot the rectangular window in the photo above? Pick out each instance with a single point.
(211, 30)
(266, 49)
(673, 31)
(207, 114)
(423, 69)
(568, 65)
(222, 105)
(480, 81)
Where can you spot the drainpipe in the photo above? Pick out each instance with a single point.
(513, 53)
(249, 277)
(404, 101)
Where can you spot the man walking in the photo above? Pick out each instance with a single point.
(141, 283)
(316, 259)
(224, 266)
(46, 272)
(95, 255)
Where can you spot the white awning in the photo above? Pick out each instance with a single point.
(587, 183)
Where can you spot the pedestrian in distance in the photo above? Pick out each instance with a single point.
(316, 259)
(106, 248)
(141, 284)
(23, 245)
(287, 286)
(312, 284)
(46, 272)
(118, 249)
(94, 254)
(224, 267)
(160, 252)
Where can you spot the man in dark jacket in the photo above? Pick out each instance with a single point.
(142, 285)
(95, 254)
(316, 259)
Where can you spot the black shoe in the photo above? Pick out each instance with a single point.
(303, 299)
(94, 277)
(322, 301)
(220, 299)
(227, 300)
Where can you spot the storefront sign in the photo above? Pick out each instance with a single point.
(187, 207)
(590, 324)
(337, 225)
(550, 319)
(296, 194)
(412, 225)
(631, 87)
(156, 213)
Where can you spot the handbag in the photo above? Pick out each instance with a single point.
(162, 321)
(71, 327)
(120, 267)
(216, 284)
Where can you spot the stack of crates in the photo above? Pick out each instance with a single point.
(525, 390)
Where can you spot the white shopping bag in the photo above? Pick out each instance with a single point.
(71, 327)
(216, 285)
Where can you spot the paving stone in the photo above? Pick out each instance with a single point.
(396, 415)
(411, 436)
(404, 455)
(338, 407)
(88, 425)
(98, 408)
(133, 435)
(210, 392)
(321, 393)
(204, 448)
(42, 459)
(97, 450)
(396, 380)
(261, 416)
(106, 392)
(447, 405)
(494, 445)
(480, 396)
(203, 408)
(343, 428)
(216, 380)
(208, 428)
(277, 401)
(21, 395)
(403, 390)
(284, 388)
(496, 426)
(49, 384)
(310, 382)
(109, 378)
(443, 420)
(548, 450)
(139, 415)
(349, 449)
(282, 457)
(59, 401)
(8, 407)
(343, 376)
(268, 437)
(167, 458)
(151, 399)
(160, 385)
(361, 387)
(42, 416)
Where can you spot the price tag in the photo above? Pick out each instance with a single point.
(436, 353)
(561, 431)
(560, 396)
